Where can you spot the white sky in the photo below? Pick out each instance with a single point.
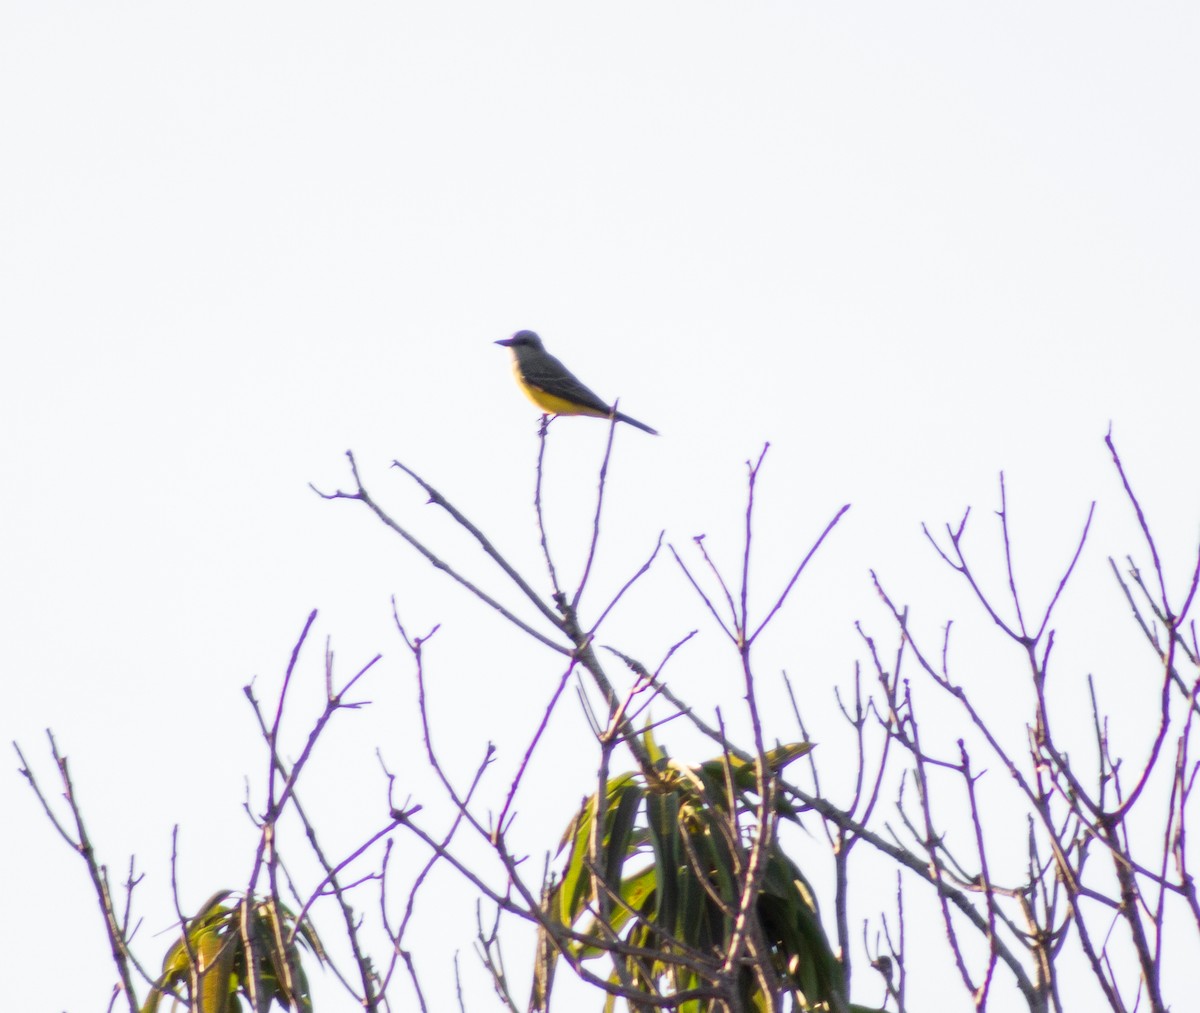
(910, 245)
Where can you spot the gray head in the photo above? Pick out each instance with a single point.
(522, 339)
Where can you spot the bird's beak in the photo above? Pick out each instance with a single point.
(505, 341)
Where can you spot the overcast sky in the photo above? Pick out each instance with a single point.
(910, 245)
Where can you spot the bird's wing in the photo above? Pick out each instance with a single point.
(548, 374)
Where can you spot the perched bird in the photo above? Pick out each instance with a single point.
(553, 387)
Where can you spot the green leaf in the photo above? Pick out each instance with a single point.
(781, 756)
(575, 888)
(656, 755)
(620, 832)
(662, 811)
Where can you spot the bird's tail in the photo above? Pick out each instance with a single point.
(622, 417)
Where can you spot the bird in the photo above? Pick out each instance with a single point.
(553, 387)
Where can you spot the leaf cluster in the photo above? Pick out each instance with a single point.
(244, 948)
(659, 889)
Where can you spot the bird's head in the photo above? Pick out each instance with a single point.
(522, 339)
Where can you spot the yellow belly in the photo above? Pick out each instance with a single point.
(552, 405)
